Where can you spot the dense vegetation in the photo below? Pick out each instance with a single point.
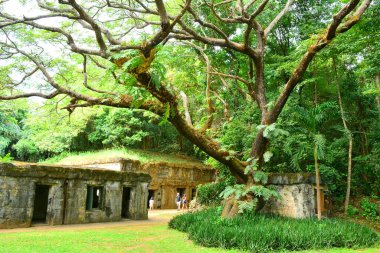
(259, 233)
(290, 94)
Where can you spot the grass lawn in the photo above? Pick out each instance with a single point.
(123, 237)
(156, 238)
(134, 154)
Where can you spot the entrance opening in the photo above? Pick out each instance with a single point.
(40, 203)
(125, 202)
(193, 193)
(181, 191)
(150, 195)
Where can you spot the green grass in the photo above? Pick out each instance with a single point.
(154, 237)
(134, 154)
(260, 233)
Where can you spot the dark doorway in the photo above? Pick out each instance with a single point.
(125, 202)
(150, 195)
(40, 203)
(193, 193)
(181, 191)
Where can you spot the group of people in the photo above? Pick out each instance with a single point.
(181, 202)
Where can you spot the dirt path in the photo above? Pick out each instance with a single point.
(155, 217)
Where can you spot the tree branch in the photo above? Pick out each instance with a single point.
(277, 18)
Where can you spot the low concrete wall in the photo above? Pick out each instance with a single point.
(67, 194)
(297, 195)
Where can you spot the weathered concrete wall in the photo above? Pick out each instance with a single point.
(297, 195)
(166, 177)
(67, 194)
(139, 200)
(15, 198)
(296, 189)
(76, 202)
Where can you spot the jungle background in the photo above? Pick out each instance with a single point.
(338, 97)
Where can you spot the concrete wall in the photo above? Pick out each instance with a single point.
(67, 194)
(297, 195)
(166, 177)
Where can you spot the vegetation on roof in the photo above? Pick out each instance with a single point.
(143, 156)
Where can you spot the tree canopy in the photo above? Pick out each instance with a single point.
(249, 83)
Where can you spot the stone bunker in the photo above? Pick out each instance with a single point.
(167, 178)
(31, 193)
(297, 190)
(117, 188)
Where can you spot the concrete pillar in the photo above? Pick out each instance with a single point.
(139, 200)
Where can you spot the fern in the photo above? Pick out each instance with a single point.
(247, 206)
(260, 176)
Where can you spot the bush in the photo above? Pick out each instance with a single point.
(208, 194)
(352, 211)
(369, 208)
(26, 150)
(6, 159)
(262, 233)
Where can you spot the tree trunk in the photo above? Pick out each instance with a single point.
(319, 210)
(231, 208)
(377, 82)
(347, 201)
(350, 140)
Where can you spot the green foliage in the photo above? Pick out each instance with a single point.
(237, 190)
(369, 209)
(209, 194)
(118, 128)
(260, 177)
(310, 118)
(10, 125)
(260, 233)
(26, 150)
(132, 63)
(6, 159)
(352, 211)
(241, 191)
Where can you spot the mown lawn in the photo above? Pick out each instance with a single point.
(156, 237)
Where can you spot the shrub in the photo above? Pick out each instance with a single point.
(263, 233)
(369, 208)
(208, 194)
(352, 211)
(6, 159)
(26, 150)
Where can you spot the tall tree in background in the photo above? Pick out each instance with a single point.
(348, 133)
(127, 42)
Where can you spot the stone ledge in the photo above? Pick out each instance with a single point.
(291, 178)
(68, 172)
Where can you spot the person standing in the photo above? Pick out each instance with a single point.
(151, 203)
(184, 202)
(178, 201)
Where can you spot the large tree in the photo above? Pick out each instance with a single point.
(122, 40)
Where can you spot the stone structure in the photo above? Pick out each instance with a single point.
(54, 195)
(116, 188)
(297, 195)
(297, 190)
(167, 178)
(170, 178)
